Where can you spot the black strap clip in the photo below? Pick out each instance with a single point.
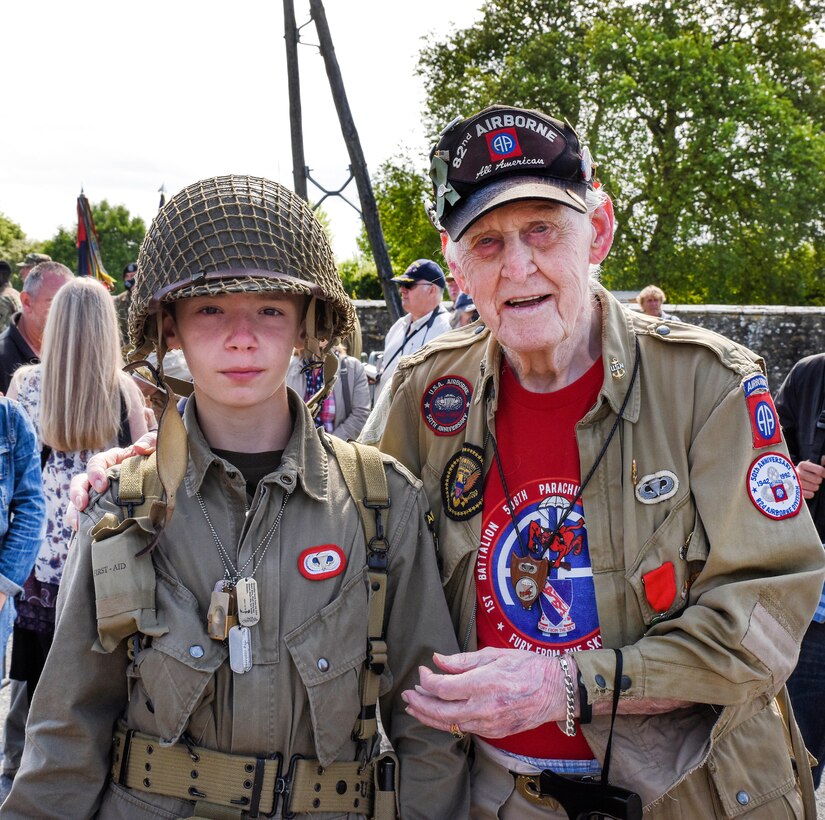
(283, 788)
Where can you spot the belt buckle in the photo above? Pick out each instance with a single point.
(283, 787)
(529, 787)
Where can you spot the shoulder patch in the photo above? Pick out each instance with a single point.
(773, 486)
(462, 488)
(445, 405)
(764, 419)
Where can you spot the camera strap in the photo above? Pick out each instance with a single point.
(584, 799)
(617, 681)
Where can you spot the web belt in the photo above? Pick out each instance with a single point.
(252, 785)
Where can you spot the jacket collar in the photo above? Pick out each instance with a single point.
(304, 461)
(618, 352)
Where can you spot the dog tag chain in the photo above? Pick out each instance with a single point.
(234, 605)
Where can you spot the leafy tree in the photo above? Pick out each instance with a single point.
(706, 117)
(14, 246)
(400, 191)
(360, 278)
(119, 234)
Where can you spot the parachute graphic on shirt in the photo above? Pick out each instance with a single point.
(564, 613)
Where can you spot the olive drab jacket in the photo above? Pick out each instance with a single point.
(301, 694)
(727, 524)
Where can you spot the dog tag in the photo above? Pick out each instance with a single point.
(249, 612)
(217, 626)
(240, 649)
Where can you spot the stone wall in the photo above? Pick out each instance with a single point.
(781, 335)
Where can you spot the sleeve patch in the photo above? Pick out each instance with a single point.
(764, 420)
(773, 486)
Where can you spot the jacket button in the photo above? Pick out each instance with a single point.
(323, 664)
(743, 798)
(196, 651)
(663, 330)
(625, 683)
(600, 681)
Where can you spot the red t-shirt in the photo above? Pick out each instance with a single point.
(536, 436)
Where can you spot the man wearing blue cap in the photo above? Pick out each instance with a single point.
(422, 287)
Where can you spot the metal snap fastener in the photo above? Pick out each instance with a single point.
(626, 682)
(663, 330)
(196, 651)
(323, 664)
(743, 798)
(287, 479)
(600, 681)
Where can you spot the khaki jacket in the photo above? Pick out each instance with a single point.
(749, 584)
(289, 702)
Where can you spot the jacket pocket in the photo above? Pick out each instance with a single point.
(328, 651)
(743, 787)
(667, 564)
(176, 668)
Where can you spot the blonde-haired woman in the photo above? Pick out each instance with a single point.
(80, 402)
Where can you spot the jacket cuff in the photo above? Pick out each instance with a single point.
(597, 668)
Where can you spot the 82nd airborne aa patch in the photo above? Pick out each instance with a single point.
(445, 405)
(462, 489)
(763, 417)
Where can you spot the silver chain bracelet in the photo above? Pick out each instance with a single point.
(570, 722)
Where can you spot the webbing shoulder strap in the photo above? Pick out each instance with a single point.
(366, 481)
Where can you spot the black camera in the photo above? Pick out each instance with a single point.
(590, 799)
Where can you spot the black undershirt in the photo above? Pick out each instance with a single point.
(252, 466)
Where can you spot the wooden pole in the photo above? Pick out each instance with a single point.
(299, 176)
(369, 209)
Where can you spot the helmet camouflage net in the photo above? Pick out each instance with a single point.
(236, 234)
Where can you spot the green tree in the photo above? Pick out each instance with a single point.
(360, 277)
(14, 245)
(400, 192)
(119, 234)
(706, 117)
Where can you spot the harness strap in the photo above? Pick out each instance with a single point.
(366, 480)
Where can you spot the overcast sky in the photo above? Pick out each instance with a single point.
(121, 98)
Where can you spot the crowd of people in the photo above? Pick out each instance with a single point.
(531, 589)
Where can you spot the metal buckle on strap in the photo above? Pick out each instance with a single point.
(124, 756)
(283, 787)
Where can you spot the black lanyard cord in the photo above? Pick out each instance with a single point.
(562, 518)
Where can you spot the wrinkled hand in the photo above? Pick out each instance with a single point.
(95, 475)
(810, 477)
(492, 692)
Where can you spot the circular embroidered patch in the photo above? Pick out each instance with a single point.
(773, 486)
(462, 489)
(445, 405)
(323, 561)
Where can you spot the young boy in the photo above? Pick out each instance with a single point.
(239, 693)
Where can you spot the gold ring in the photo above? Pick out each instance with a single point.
(456, 732)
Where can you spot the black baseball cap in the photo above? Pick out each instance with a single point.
(505, 154)
(422, 270)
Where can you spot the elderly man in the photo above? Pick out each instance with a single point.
(571, 453)
(422, 288)
(20, 342)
